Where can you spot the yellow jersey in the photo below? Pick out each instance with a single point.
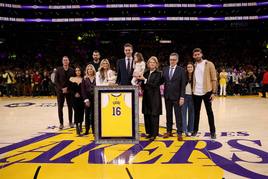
(116, 116)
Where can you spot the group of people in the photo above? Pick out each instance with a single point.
(184, 90)
(246, 80)
(29, 82)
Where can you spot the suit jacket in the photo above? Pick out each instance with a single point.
(123, 78)
(151, 101)
(174, 88)
(62, 78)
(210, 78)
(87, 88)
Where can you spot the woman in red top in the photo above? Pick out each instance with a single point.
(265, 82)
(37, 79)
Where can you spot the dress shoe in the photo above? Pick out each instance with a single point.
(194, 134)
(167, 135)
(61, 126)
(79, 135)
(152, 138)
(180, 137)
(213, 136)
(148, 137)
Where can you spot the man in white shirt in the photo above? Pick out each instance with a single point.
(204, 89)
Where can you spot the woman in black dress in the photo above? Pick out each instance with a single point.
(87, 87)
(78, 104)
(151, 102)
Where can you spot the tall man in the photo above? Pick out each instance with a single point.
(204, 88)
(62, 77)
(96, 59)
(125, 66)
(174, 91)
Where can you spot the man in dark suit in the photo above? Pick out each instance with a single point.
(174, 91)
(125, 66)
(62, 77)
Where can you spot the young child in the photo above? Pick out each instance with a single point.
(139, 67)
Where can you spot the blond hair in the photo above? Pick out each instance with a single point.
(153, 58)
(87, 68)
(101, 69)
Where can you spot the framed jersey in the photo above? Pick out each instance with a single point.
(116, 114)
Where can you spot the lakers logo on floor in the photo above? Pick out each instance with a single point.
(63, 155)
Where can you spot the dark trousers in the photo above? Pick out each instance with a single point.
(264, 90)
(197, 108)
(36, 90)
(89, 117)
(78, 106)
(9, 89)
(151, 124)
(27, 90)
(170, 104)
(60, 99)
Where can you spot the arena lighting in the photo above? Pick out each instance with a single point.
(124, 6)
(79, 38)
(105, 42)
(165, 41)
(133, 19)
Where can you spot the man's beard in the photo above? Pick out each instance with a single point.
(198, 59)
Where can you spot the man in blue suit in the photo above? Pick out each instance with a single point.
(174, 91)
(125, 66)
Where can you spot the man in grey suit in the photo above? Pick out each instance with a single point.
(174, 91)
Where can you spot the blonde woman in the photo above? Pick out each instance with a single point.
(151, 102)
(105, 76)
(88, 83)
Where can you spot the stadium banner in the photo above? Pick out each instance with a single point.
(116, 114)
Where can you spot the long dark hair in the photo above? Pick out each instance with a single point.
(189, 77)
(81, 70)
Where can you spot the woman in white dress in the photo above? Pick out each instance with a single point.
(105, 76)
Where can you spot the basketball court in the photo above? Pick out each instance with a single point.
(31, 145)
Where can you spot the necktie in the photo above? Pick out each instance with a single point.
(170, 73)
(128, 66)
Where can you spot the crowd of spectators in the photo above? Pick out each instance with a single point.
(27, 66)
(241, 80)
